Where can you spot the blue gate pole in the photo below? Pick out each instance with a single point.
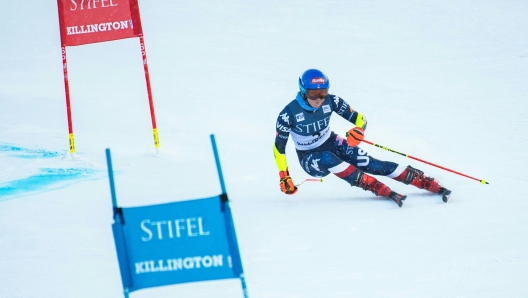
(114, 197)
(224, 192)
(244, 288)
(111, 178)
(218, 166)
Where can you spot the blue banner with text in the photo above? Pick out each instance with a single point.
(176, 243)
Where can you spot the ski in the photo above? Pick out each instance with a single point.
(446, 193)
(397, 198)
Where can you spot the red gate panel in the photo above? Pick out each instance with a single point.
(92, 21)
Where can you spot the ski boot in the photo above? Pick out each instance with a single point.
(417, 178)
(378, 188)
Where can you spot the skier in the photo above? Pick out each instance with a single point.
(321, 151)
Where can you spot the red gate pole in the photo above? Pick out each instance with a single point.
(149, 90)
(66, 82)
(68, 105)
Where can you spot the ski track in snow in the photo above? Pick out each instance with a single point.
(40, 178)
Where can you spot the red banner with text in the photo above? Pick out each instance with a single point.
(92, 21)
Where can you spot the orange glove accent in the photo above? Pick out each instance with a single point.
(355, 136)
(286, 183)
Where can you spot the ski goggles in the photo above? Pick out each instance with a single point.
(315, 94)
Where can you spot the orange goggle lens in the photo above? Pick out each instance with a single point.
(315, 94)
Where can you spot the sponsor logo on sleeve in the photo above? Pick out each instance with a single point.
(282, 128)
(342, 109)
(285, 118)
(336, 100)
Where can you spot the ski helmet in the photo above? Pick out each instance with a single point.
(313, 79)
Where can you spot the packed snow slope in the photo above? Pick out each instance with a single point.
(443, 81)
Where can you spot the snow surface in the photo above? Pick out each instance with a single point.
(441, 80)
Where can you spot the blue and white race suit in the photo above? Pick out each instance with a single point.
(320, 150)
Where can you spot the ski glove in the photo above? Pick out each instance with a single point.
(355, 136)
(286, 183)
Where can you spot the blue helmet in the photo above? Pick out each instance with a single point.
(313, 79)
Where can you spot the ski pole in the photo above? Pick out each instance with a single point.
(429, 163)
(310, 180)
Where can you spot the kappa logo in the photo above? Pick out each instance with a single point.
(285, 118)
(299, 117)
(318, 81)
(336, 100)
(327, 109)
(315, 164)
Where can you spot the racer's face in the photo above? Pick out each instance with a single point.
(316, 97)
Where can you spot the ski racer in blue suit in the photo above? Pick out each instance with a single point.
(320, 151)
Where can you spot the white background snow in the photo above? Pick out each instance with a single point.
(445, 81)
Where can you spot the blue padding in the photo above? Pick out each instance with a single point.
(179, 242)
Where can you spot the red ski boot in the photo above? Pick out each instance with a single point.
(370, 183)
(417, 178)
